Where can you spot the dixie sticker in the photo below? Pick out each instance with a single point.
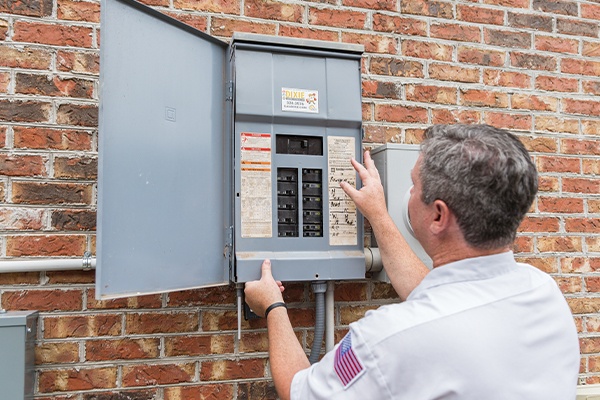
(299, 100)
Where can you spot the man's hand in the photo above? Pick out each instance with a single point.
(264, 292)
(370, 199)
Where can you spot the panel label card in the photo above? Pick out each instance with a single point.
(343, 229)
(300, 100)
(255, 191)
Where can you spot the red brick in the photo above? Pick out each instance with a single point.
(351, 291)
(569, 284)
(73, 220)
(268, 9)
(70, 277)
(590, 127)
(337, 18)
(533, 61)
(43, 300)
(165, 322)
(508, 121)
(556, 83)
(161, 374)
(483, 98)
(589, 344)
(414, 136)
(548, 184)
(45, 245)
(585, 107)
(218, 6)
(590, 49)
(78, 10)
(122, 349)
(509, 3)
(458, 32)
(198, 345)
(429, 8)
(221, 320)
(538, 103)
(558, 164)
(32, 8)
(472, 55)
(480, 15)
(45, 85)
(51, 193)
(76, 168)
(396, 67)
(196, 21)
(52, 34)
(535, 22)
(399, 25)
(556, 45)
(254, 342)
(509, 79)
(199, 297)
(4, 81)
(590, 11)
(553, 124)
(372, 43)
(22, 165)
(226, 27)
(555, 7)
(352, 313)
(22, 219)
(577, 146)
(452, 73)
(427, 50)
(24, 111)
(202, 392)
(398, 113)
(512, 39)
(307, 33)
(57, 353)
(565, 205)
(591, 167)
(580, 67)
(132, 302)
(25, 57)
(546, 264)
(380, 90)
(577, 27)
(62, 380)
(230, 369)
(77, 114)
(584, 305)
(560, 244)
(20, 278)
(581, 185)
(50, 138)
(585, 225)
(431, 94)
(367, 111)
(580, 265)
(443, 116)
(81, 326)
(78, 61)
(389, 5)
(591, 87)
(539, 224)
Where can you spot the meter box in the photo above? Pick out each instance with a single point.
(394, 163)
(18, 330)
(215, 156)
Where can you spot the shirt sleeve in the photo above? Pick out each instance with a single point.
(349, 371)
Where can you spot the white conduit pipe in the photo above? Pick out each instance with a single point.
(57, 264)
(329, 317)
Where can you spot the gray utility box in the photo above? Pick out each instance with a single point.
(394, 162)
(215, 156)
(18, 330)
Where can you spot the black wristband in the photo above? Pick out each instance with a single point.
(274, 305)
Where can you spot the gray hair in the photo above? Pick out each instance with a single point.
(485, 176)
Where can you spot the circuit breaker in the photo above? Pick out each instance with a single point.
(215, 156)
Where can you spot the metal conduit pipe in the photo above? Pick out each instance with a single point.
(319, 289)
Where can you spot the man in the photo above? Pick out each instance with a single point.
(479, 325)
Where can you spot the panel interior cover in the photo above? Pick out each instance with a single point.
(162, 208)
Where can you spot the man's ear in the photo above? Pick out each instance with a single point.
(442, 217)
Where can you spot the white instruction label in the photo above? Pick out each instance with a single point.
(343, 229)
(299, 100)
(255, 190)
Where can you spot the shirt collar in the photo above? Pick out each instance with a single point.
(468, 269)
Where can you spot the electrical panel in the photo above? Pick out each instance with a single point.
(394, 163)
(215, 156)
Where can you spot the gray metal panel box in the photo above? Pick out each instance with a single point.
(193, 132)
(394, 162)
(18, 330)
(297, 123)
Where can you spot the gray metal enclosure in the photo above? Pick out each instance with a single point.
(213, 157)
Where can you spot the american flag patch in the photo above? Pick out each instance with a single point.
(346, 364)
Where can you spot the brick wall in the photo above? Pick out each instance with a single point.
(532, 66)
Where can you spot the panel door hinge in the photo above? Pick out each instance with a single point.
(229, 91)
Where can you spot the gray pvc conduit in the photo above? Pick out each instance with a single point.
(319, 289)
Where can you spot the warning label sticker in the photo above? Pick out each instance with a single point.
(343, 229)
(299, 100)
(255, 190)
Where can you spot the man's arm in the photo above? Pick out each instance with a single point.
(285, 352)
(402, 265)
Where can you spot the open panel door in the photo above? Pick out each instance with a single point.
(162, 203)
